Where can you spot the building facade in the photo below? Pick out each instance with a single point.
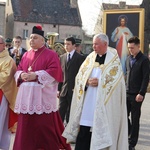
(146, 5)
(2, 18)
(58, 16)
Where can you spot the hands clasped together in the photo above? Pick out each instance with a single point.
(92, 82)
(30, 76)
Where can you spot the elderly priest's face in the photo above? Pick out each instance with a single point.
(36, 41)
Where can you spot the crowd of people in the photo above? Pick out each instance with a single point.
(52, 101)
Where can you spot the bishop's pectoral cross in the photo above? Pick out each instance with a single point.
(30, 68)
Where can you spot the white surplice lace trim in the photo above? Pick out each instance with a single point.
(36, 105)
(38, 109)
(45, 79)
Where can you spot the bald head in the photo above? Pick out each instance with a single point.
(2, 43)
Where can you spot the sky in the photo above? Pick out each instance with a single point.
(89, 10)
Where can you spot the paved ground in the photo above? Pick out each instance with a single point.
(144, 137)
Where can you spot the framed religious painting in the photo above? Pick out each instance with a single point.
(122, 24)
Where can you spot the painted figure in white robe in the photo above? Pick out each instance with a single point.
(121, 35)
(98, 118)
(8, 92)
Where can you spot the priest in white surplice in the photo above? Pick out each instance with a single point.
(98, 118)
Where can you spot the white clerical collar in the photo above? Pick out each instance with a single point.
(38, 48)
(103, 54)
(71, 53)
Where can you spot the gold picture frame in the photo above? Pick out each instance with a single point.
(135, 23)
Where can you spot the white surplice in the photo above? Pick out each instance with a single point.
(5, 134)
(87, 116)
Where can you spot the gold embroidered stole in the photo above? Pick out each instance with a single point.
(111, 74)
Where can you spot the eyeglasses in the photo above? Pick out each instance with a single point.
(8, 45)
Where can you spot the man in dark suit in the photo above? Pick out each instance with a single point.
(70, 63)
(16, 52)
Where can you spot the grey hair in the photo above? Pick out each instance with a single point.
(102, 37)
(3, 39)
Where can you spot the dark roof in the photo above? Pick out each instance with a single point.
(46, 11)
(116, 6)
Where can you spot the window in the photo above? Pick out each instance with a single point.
(75, 36)
(25, 34)
(7, 2)
(7, 18)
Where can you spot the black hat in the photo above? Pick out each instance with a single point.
(8, 40)
(38, 30)
(78, 41)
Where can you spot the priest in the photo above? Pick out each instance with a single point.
(98, 118)
(8, 92)
(39, 124)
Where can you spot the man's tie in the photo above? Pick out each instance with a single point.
(69, 58)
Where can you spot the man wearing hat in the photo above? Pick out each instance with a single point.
(39, 124)
(78, 46)
(8, 43)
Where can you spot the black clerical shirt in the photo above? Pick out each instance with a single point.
(100, 59)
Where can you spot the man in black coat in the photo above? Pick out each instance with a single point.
(16, 52)
(70, 63)
(137, 79)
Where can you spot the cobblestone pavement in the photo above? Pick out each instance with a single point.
(144, 135)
